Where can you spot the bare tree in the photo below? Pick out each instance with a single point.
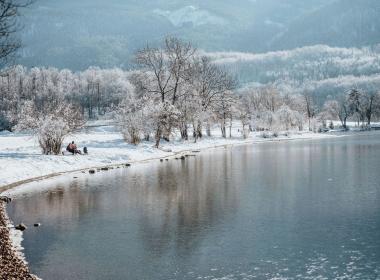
(370, 104)
(9, 26)
(354, 99)
(338, 108)
(166, 72)
(157, 77)
(270, 98)
(179, 55)
(310, 108)
(212, 85)
(223, 108)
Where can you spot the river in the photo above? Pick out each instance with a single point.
(287, 210)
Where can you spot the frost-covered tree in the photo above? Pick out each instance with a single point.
(370, 104)
(338, 109)
(243, 111)
(96, 91)
(164, 117)
(285, 117)
(309, 107)
(354, 100)
(164, 74)
(223, 109)
(212, 85)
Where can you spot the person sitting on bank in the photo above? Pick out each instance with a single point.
(72, 148)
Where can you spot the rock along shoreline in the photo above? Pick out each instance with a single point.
(12, 266)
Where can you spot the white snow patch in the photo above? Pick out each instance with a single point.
(190, 14)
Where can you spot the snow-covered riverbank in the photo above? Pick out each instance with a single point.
(21, 158)
(12, 265)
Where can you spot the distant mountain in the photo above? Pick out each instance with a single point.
(78, 34)
(344, 23)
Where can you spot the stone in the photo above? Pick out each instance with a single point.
(5, 199)
(104, 168)
(183, 157)
(91, 171)
(37, 225)
(127, 164)
(21, 227)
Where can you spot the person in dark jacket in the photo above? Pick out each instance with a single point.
(72, 148)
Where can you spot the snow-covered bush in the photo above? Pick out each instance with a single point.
(51, 124)
(131, 121)
(265, 134)
(132, 128)
(285, 117)
(51, 134)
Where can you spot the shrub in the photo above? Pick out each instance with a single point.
(51, 134)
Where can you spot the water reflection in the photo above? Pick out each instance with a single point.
(173, 207)
(298, 210)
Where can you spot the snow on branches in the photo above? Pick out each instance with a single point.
(51, 124)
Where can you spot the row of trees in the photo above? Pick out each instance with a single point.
(266, 109)
(176, 89)
(355, 104)
(93, 92)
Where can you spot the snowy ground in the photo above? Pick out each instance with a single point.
(21, 158)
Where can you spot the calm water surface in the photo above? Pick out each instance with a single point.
(296, 210)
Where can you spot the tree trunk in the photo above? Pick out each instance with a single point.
(208, 129)
(310, 129)
(369, 117)
(195, 135)
(184, 133)
(199, 129)
(158, 137)
(166, 134)
(223, 128)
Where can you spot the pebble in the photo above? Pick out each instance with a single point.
(11, 266)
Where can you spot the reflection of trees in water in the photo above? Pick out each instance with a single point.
(53, 209)
(59, 204)
(186, 200)
(174, 203)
